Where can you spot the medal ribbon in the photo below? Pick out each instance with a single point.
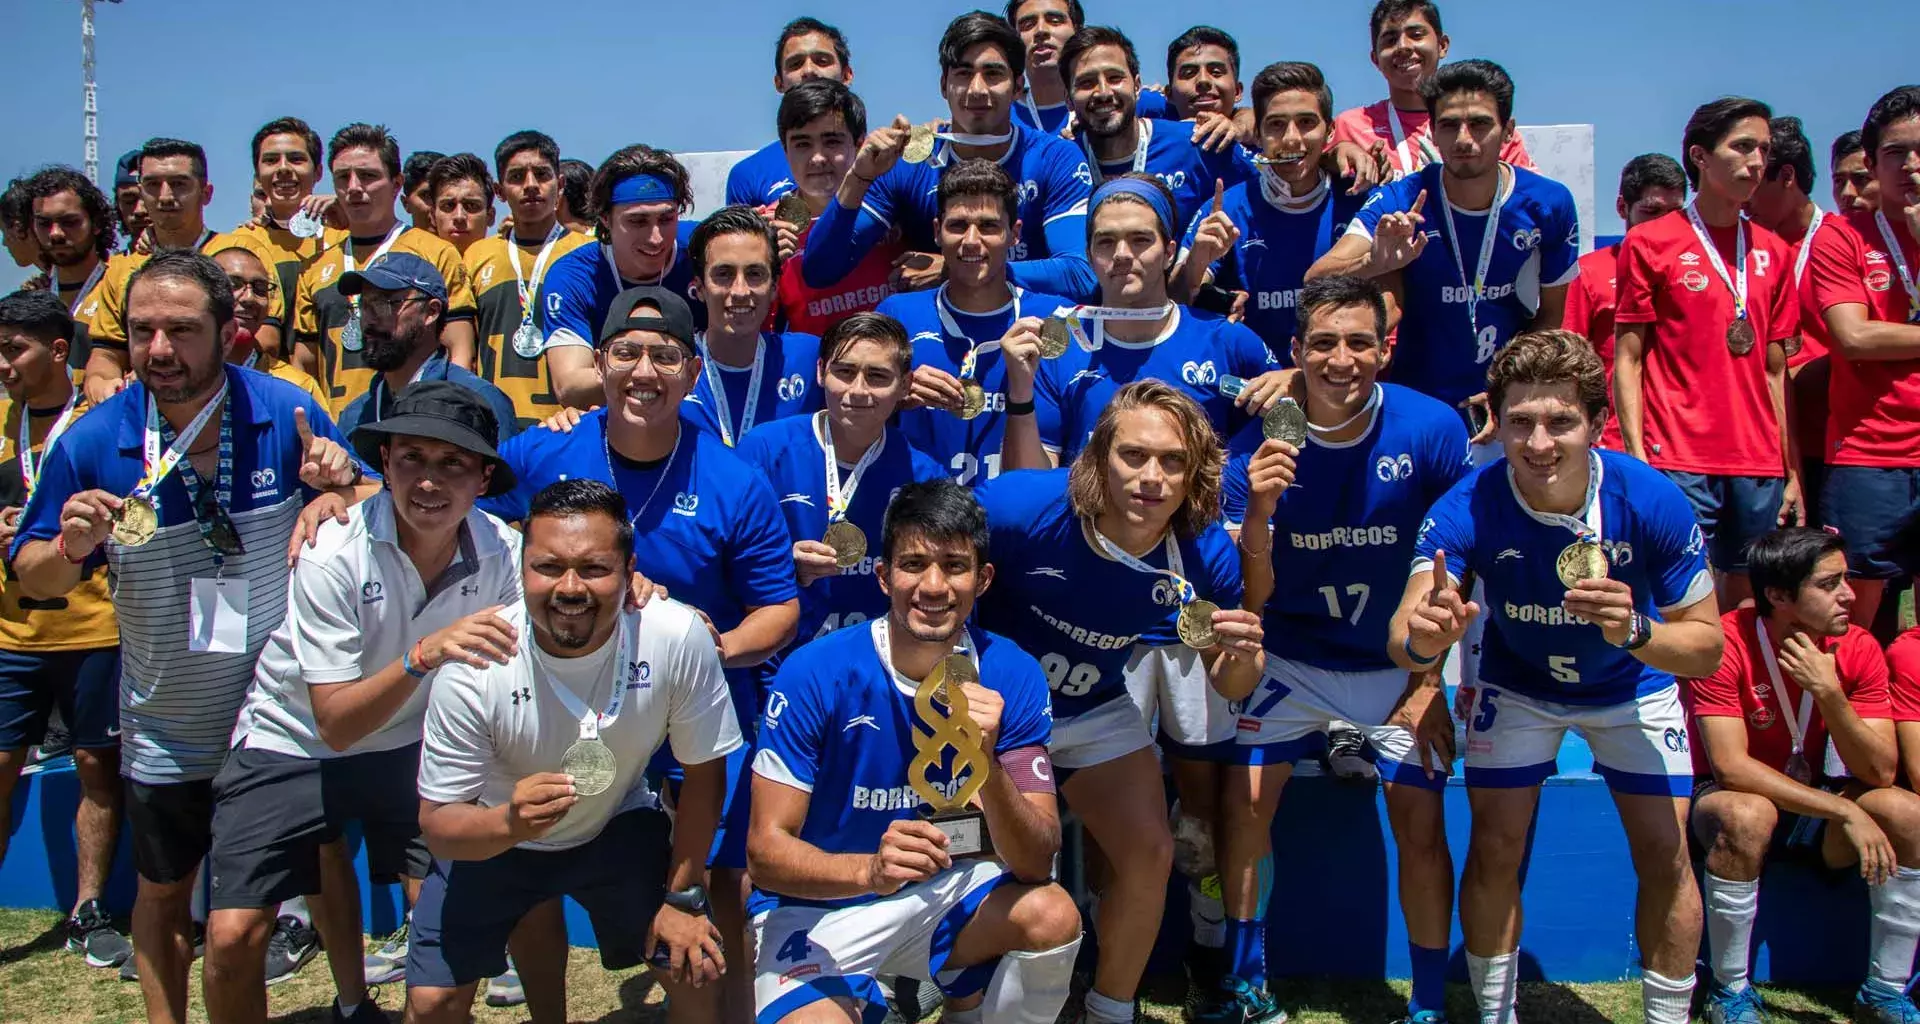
(99, 271)
(380, 387)
(157, 466)
(1806, 245)
(591, 722)
(1175, 569)
(620, 283)
(710, 368)
(1280, 195)
(665, 471)
(30, 473)
(1900, 264)
(1100, 314)
(1477, 285)
(529, 288)
(1737, 283)
(1143, 129)
(1797, 725)
(883, 646)
(1405, 145)
(346, 257)
(969, 364)
(840, 495)
(1587, 526)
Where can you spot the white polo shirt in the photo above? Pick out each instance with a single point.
(488, 728)
(355, 605)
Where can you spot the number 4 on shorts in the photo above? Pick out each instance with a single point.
(796, 948)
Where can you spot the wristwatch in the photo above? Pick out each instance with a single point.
(691, 900)
(1639, 632)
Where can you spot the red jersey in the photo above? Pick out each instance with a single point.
(1873, 406)
(1411, 148)
(1903, 667)
(1814, 340)
(1743, 688)
(1704, 409)
(813, 310)
(1590, 301)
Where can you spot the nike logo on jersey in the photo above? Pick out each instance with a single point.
(798, 499)
(1508, 553)
(1047, 570)
(859, 720)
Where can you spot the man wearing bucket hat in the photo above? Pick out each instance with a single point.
(415, 577)
(403, 299)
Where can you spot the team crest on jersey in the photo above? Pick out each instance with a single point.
(1199, 374)
(1175, 181)
(685, 504)
(326, 273)
(1526, 238)
(1030, 190)
(1081, 174)
(1426, 525)
(776, 703)
(1694, 280)
(1165, 594)
(1696, 541)
(1619, 552)
(486, 275)
(1761, 717)
(792, 388)
(1391, 468)
(1878, 279)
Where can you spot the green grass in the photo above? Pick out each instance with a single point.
(41, 982)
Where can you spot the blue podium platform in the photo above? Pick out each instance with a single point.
(1334, 911)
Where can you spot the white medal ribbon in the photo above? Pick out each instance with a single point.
(970, 139)
(1736, 283)
(1039, 123)
(99, 271)
(1175, 569)
(970, 363)
(1900, 263)
(1143, 129)
(1405, 145)
(1586, 526)
(346, 257)
(1477, 284)
(1806, 246)
(1372, 403)
(883, 646)
(158, 465)
(529, 288)
(1797, 725)
(592, 722)
(840, 495)
(620, 284)
(1278, 194)
(29, 472)
(1101, 314)
(723, 410)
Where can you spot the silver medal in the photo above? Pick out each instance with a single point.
(350, 337)
(304, 225)
(592, 766)
(527, 341)
(1285, 421)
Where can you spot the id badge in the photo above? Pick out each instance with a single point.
(218, 616)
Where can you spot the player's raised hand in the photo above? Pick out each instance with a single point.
(324, 462)
(1269, 475)
(1400, 237)
(306, 529)
(910, 851)
(1439, 622)
(985, 706)
(538, 803)
(1811, 668)
(1216, 235)
(1020, 352)
(932, 387)
(1214, 132)
(473, 640)
(813, 560)
(881, 149)
(86, 519)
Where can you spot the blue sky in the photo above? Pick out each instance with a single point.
(597, 74)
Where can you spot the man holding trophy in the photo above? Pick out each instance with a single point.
(904, 819)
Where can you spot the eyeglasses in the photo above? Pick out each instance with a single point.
(221, 535)
(388, 307)
(665, 358)
(262, 288)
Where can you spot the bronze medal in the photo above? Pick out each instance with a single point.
(849, 543)
(1195, 624)
(1055, 336)
(973, 400)
(1740, 336)
(793, 210)
(1580, 560)
(136, 523)
(919, 145)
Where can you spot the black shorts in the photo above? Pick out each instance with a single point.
(1796, 837)
(467, 908)
(272, 812)
(84, 685)
(172, 826)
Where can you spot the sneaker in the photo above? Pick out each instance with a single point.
(90, 931)
(387, 964)
(1726, 1007)
(1236, 1002)
(290, 947)
(130, 967)
(58, 742)
(911, 1001)
(1875, 1004)
(1346, 755)
(368, 1012)
(1206, 967)
(505, 990)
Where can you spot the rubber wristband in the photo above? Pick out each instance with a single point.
(1414, 657)
(60, 545)
(411, 667)
(1020, 408)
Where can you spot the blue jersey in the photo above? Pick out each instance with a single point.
(1064, 601)
(840, 725)
(970, 449)
(1532, 646)
(376, 402)
(1172, 157)
(1192, 355)
(789, 386)
(1343, 532)
(705, 523)
(789, 454)
(1270, 260)
(1053, 120)
(1538, 246)
(761, 177)
(579, 288)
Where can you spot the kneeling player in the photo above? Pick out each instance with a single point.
(850, 881)
(1598, 596)
(1797, 729)
(1344, 508)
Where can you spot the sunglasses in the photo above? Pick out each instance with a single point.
(221, 535)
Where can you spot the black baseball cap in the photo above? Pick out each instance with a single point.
(669, 315)
(443, 411)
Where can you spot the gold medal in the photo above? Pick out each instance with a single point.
(973, 400)
(792, 209)
(1196, 624)
(137, 521)
(849, 543)
(1286, 421)
(1055, 336)
(1740, 336)
(919, 145)
(1580, 560)
(592, 766)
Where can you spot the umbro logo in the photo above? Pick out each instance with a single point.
(1508, 553)
(859, 720)
(1047, 570)
(1690, 258)
(797, 499)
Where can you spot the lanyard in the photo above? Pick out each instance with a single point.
(29, 473)
(1806, 246)
(253, 357)
(840, 495)
(1101, 314)
(1587, 526)
(1142, 129)
(883, 646)
(1175, 569)
(1737, 284)
(710, 368)
(222, 482)
(620, 283)
(1477, 284)
(1033, 109)
(529, 289)
(969, 363)
(1797, 725)
(346, 257)
(665, 471)
(1900, 264)
(99, 271)
(380, 387)
(1406, 144)
(591, 722)
(156, 465)
(1373, 402)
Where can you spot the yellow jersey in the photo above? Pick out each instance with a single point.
(82, 620)
(105, 311)
(496, 291)
(292, 253)
(288, 372)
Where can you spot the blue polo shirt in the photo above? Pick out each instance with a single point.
(362, 410)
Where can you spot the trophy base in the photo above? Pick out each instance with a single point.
(966, 833)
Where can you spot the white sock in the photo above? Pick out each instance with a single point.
(1665, 1000)
(1731, 907)
(346, 1008)
(296, 908)
(1030, 988)
(1099, 1008)
(1895, 926)
(1208, 916)
(1493, 981)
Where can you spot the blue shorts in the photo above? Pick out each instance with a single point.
(1733, 512)
(85, 685)
(467, 908)
(1867, 504)
(730, 837)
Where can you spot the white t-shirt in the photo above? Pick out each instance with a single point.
(488, 728)
(355, 604)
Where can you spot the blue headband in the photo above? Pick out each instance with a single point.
(642, 188)
(1155, 198)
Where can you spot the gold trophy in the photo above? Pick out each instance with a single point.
(955, 729)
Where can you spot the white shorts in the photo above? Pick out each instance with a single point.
(1109, 732)
(1640, 747)
(1169, 686)
(1286, 719)
(807, 954)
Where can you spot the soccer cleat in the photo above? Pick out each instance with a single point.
(1237, 1002)
(368, 1012)
(1875, 1004)
(1346, 755)
(292, 944)
(1742, 1007)
(911, 1001)
(388, 961)
(505, 990)
(91, 932)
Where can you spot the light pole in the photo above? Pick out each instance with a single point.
(89, 103)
